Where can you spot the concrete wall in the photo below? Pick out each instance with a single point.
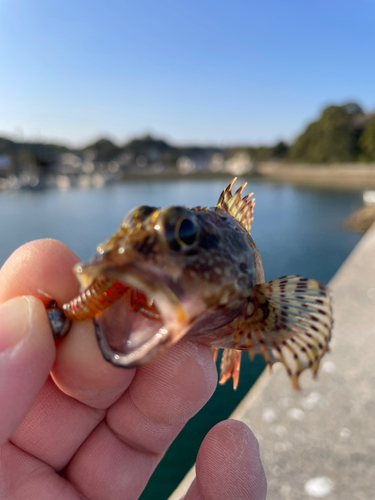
(320, 442)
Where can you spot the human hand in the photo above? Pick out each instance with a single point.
(88, 430)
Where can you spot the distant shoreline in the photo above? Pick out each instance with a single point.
(354, 176)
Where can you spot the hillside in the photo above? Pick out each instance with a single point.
(342, 134)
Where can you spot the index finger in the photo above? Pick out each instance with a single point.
(43, 268)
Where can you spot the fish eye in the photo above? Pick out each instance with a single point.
(180, 228)
(186, 233)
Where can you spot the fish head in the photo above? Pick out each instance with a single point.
(194, 266)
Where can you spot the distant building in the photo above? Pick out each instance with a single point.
(216, 163)
(70, 162)
(239, 164)
(185, 165)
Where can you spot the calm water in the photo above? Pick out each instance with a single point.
(297, 230)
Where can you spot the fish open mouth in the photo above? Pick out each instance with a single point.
(130, 333)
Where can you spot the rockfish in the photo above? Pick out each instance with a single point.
(196, 273)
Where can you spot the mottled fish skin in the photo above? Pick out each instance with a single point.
(199, 275)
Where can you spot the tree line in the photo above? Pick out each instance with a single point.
(341, 134)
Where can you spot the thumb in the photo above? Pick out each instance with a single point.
(27, 353)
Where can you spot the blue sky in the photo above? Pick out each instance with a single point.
(197, 71)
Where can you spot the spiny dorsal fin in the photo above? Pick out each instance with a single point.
(239, 208)
(199, 209)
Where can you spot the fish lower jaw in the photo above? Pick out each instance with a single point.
(130, 335)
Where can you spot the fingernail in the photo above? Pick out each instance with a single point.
(14, 322)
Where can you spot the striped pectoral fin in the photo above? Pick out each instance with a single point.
(230, 366)
(291, 323)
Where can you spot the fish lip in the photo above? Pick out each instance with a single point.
(175, 319)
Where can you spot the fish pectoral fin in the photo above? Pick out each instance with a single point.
(240, 208)
(230, 366)
(288, 320)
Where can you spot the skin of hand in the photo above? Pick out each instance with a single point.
(74, 427)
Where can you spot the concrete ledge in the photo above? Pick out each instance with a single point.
(320, 442)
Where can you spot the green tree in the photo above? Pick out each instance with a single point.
(280, 150)
(333, 138)
(367, 141)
